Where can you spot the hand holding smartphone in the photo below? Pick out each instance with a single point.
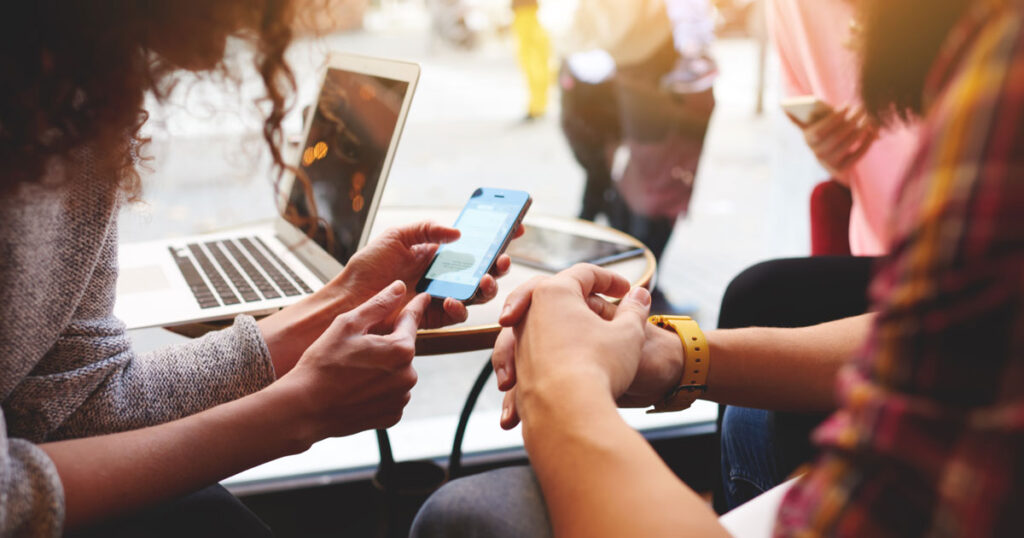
(806, 109)
(487, 224)
(838, 137)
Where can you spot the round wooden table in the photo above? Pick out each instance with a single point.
(481, 329)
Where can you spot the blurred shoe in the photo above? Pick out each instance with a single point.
(660, 304)
(691, 75)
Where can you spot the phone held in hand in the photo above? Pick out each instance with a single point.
(806, 109)
(487, 223)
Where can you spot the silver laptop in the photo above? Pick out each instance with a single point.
(350, 142)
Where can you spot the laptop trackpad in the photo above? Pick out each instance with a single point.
(147, 278)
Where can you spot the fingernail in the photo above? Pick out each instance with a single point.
(640, 295)
(499, 373)
(505, 413)
(506, 310)
(395, 287)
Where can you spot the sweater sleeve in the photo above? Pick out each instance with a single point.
(31, 495)
(91, 382)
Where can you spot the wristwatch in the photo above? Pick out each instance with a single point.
(696, 363)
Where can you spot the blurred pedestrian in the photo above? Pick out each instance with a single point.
(638, 141)
(693, 32)
(534, 55)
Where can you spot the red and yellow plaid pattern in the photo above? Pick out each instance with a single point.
(929, 438)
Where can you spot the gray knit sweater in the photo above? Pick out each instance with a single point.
(66, 366)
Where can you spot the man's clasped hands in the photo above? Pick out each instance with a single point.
(347, 350)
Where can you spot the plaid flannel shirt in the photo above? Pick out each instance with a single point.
(929, 437)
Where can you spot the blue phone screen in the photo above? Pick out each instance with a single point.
(484, 226)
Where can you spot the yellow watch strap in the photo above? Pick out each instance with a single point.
(696, 363)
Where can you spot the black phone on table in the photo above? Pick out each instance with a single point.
(554, 250)
(487, 223)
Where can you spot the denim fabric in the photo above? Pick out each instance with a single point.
(505, 503)
(760, 449)
(749, 456)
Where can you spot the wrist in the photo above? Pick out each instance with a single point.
(559, 419)
(293, 413)
(563, 397)
(696, 363)
(290, 331)
(669, 346)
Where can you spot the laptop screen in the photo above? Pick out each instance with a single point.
(343, 158)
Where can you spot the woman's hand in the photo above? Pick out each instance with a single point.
(352, 379)
(398, 254)
(564, 339)
(349, 380)
(404, 254)
(839, 139)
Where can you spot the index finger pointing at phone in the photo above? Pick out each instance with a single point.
(410, 316)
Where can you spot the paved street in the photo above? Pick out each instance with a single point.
(464, 131)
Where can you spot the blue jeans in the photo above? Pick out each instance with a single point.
(506, 503)
(760, 449)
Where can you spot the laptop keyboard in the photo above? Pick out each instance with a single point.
(257, 278)
(275, 275)
(194, 280)
(219, 285)
(243, 287)
(220, 272)
(295, 277)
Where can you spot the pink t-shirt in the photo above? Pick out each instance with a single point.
(812, 37)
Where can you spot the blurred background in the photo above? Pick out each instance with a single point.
(472, 124)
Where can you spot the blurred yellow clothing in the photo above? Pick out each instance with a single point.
(630, 31)
(534, 57)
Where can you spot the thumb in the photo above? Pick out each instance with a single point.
(634, 307)
(379, 307)
(423, 253)
(426, 232)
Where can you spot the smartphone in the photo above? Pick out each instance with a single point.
(807, 109)
(487, 223)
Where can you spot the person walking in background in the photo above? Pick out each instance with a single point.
(693, 32)
(618, 115)
(534, 55)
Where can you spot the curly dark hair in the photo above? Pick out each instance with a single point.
(75, 75)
